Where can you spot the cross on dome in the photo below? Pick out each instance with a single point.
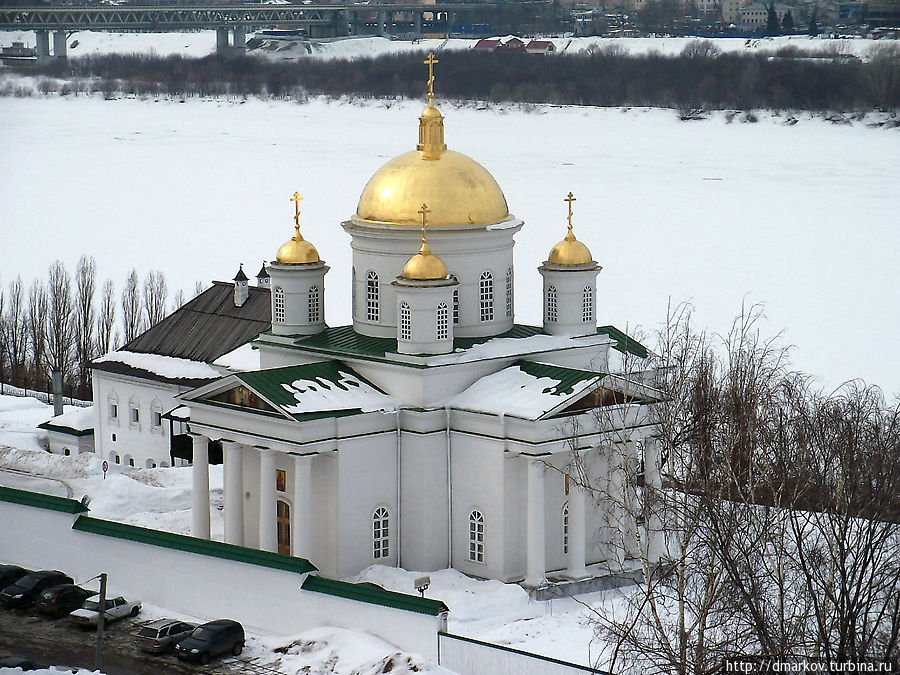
(297, 250)
(570, 251)
(570, 198)
(430, 61)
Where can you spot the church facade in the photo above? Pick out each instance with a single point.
(434, 431)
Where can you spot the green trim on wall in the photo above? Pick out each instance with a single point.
(180, 542)
(374, 595)
(41, 501)
(69, 431)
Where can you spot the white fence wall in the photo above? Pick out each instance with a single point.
(473, 657)
(260, 597)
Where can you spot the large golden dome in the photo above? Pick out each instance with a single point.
(457, 189)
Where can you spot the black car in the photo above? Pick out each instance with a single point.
(58, 601)
(26, 589)
(17, 662)
(10, 574)
(222, 636)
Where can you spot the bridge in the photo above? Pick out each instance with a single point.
(317, 20)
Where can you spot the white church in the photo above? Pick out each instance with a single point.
(434, 431)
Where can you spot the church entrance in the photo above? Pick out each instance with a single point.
(283, 520)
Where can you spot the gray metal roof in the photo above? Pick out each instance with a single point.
(208, 326)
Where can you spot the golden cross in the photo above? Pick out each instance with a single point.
(430, 61)
(297, 199)
(424, 211)
(570, 199)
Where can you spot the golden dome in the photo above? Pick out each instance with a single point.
(570, 251)
(424, 265)
(458, 190)
(296, 250)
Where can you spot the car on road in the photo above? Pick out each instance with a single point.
(10, 574)
(162, 635)
(57, 601)
(18, 662)
(222, 636)
(115, 609)
(25, 590)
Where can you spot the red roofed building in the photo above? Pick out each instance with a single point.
(487, 45)
(540, 47)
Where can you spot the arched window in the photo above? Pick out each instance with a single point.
(283, 526)
(373, 310)
(587, 304)
(476, 537)
(353, 292)
(380, 533)
(405, 322)
(509, 292)
(156, 416)
(278, 305)
(455, 306)
(551, 304)
(113, 406)
(443, 330)
(565, 524)
(134, 412)
(487, 296)
(314, 312)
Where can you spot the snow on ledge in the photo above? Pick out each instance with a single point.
(165, 366)
(78, 419)
(244, 358)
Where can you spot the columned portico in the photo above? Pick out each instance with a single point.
(536, 545)
(302, 518)
(200, 503)
(267, 516)
(576, 551)
(234, 493)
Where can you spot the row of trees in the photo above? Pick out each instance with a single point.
(777, 512)
(62, 324)
(701, 77)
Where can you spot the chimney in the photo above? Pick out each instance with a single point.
(241, 288)
(263, 280)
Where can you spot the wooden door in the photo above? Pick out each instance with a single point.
(283, 520)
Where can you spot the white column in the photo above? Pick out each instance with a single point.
(536, 547)
(656, 543)
(268, 535)
(633, 506)
(200, 494)
(576, 556)
(302, 516)
(234, 493)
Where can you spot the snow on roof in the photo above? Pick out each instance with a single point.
(346, 392)
(77, 419)
(526, 390)
(165, 366)
(243, 358)
(499, 347)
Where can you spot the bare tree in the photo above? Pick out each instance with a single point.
(198, 288)
(155, 295)
(85, 285)
(37, 328)
(106, 318)
(60, 325)
(178, 300)
(14, 322)
(131, 307)
(2, 339)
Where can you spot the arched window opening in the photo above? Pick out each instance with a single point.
(278, 305)
(486, 288)
(314, 309)
(551, 305)
(405, 322)
(443, 329)
(455, 306)
(587, 304)
(565, 524)
(353, 292)
(509, 292)
(283, 526)
(373, 301)
(476, 537)
(380, 533)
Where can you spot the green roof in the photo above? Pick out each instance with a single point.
(623, 342)
(374, 595)
(567, 377)
(66, 430)
(41, 501)
(180, 542)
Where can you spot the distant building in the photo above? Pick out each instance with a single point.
(540, 47)
(755, 16)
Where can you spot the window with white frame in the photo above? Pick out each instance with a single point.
(486, 288)
(381, 547)
(313, 313)
(134, 412)
(551, 304)
(113, 407)
(455, 306)
(443, 330)
(509, 292)
(587, 304)
(373, 310)
(565, 525)
(155, 416)
(405, 322)
(278, 304)
(476, 537)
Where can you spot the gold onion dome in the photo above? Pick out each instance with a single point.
(296, 250)
(424, 265)
(457, 188)
(570, 251)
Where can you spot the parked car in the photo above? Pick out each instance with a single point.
(18, 662)
(115, 609)
(58, 601)
(26, 589)
(162, 635)
(222, 636)
(10, 574)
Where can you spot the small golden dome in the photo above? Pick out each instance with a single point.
(424, 265)
(296, 251)
(570, 251)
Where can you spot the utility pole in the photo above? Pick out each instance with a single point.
(98, 660)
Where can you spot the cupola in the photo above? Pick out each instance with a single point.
(241, 289)
(296, 250)
(263, 280)
(570, 251)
